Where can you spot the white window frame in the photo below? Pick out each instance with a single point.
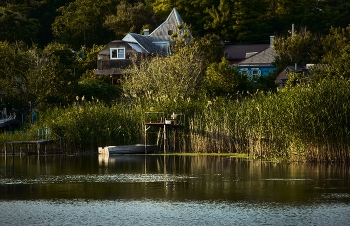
(117, 56)
(257, 70)
(244, 71)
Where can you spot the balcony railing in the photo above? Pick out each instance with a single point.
(109, 64)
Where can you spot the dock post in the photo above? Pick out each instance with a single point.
(164, 136)
(13, 149)
(5, 146)
(38, 148)
(174, 141)
(145, 139)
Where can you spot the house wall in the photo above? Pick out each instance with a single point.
(281, 79)
(103, 59)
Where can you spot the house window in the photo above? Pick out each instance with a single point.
(117, 53)
(163, 45)
(244, 71)
(255, 72)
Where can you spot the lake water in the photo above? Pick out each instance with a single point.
(170, 190)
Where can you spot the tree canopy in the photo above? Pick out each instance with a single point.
(87, 22)
(80, 23)
(130, 18)
(177, 76)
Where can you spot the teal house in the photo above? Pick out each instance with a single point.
(252, 60)
(259, 64)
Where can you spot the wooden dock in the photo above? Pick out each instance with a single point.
(21, 141)
(165, 125)
(28, 147)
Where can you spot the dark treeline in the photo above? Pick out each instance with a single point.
(89, 22)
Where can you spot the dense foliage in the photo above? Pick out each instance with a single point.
(86, 22)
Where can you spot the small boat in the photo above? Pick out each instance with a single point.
(9, 121)
(128, 149)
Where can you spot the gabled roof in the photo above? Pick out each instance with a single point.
(291, 68)
(143, 43)
(153, 43)
(239, 52)
(161, 33)
(265, 57)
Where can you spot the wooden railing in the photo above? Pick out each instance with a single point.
(109, 64)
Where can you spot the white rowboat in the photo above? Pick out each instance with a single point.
(128, 149)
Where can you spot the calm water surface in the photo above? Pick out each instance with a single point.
(170, 190)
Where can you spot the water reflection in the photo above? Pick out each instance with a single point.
(175, 178)
(166, 190)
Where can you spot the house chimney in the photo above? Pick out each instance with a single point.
(271, 41)
(146, 31)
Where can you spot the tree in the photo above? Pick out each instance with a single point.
(130, 18)
(85, 59)
(211, 48)
(250, 21)
(98, 89)
(81, 23)
(17, 61)
(335, 61)
(53, 81)
(220, 19)
(330, 54)
(177, 76)
(45, 13)
(16, 26)
(223, 80)
(301, 48)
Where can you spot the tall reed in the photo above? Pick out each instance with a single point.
(87, 126)
(300, 124)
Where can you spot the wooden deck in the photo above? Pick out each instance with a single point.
(28, 147)
(165, 127)
(162, 125)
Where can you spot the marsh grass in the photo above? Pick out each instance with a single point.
(299, 124)
(89, 125)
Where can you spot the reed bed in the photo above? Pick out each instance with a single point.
(300, 124)
(87, 126)
(306, 123)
